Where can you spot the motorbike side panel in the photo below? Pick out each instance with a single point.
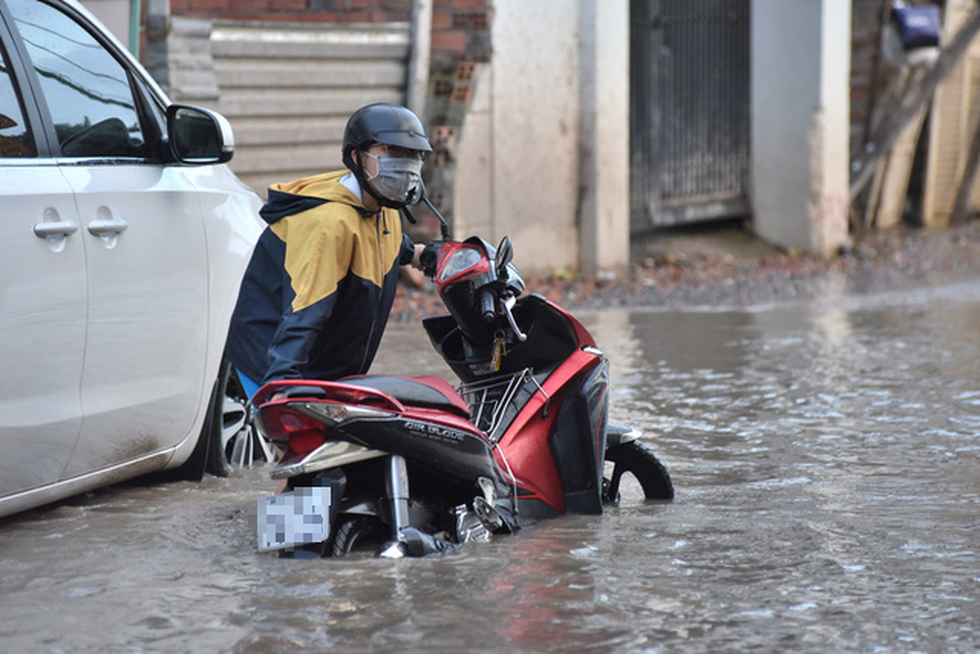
(527, 457)
(527, 442)
(578, 442)
(447, 444)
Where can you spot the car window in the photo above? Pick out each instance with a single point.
(15, 135)
(86, 89)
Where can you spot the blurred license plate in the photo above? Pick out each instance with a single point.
(292, 519)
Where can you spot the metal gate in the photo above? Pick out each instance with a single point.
(689, 111)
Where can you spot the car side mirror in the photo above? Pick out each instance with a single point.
(199, 136)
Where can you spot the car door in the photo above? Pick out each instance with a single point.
(143, 378)
(142, 381)
(43, 300)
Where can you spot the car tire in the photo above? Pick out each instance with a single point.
(232, 438)
(217, 462)
(193, 469)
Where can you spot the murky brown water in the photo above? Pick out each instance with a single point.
(825, 455)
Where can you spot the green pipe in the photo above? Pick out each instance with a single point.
(135, 6)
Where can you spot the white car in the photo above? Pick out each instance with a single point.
(123, 239)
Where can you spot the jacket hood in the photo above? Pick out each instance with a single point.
(289, 198)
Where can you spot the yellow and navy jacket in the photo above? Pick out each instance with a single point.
(315, 298)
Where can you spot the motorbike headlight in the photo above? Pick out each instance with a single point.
(459, 262)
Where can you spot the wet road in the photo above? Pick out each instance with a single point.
(825, 455)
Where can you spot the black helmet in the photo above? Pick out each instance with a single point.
(384, 123)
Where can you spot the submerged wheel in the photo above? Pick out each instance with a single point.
(636, 459)
(360, 534)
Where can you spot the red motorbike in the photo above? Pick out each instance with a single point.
(412, 466)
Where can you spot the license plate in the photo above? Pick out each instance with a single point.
(292, 519)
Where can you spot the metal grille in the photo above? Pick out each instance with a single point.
(690, 110)
(495, 401)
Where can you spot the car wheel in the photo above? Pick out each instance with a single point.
(233, 440)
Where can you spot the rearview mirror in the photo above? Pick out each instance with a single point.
(199, 136)
(505, 254)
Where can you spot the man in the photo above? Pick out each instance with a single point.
(317, 293)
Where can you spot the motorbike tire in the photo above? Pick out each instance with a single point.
(637, 459)
(359, 534)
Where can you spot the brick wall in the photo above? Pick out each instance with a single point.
(868, 84)
(460, 28)
(865, 22)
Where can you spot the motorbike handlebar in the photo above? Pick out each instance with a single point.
(487, 309)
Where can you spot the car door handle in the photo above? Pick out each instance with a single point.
(55, 228)
(107, 227)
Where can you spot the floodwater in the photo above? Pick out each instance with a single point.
(825, 455)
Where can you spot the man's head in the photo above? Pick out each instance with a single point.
(383, 146)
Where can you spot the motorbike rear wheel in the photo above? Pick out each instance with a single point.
(359, 534)
(637, 459)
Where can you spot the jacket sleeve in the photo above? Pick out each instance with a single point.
(289, 352)
(408, 251)
(318, 256)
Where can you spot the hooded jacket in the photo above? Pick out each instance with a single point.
(316, 296)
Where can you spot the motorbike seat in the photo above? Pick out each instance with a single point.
(424, 391)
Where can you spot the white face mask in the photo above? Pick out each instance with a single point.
(396, 176)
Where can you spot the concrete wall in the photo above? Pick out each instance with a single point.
(520, 167)
(800, 122)
(604, 137)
